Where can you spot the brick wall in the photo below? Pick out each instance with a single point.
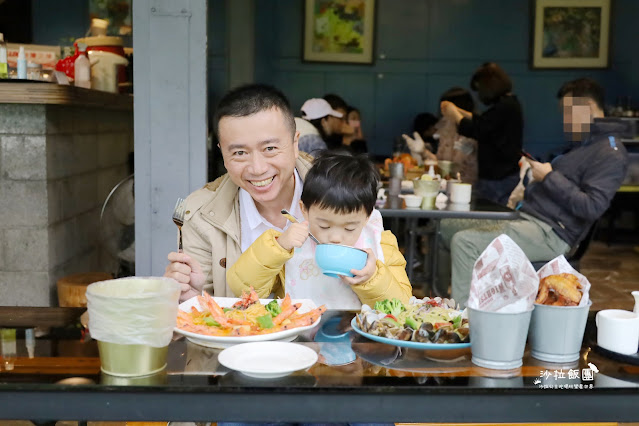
(57, 165)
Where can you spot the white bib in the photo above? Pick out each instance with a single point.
(304, 279)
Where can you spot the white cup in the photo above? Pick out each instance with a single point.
(412, 201)
(459, 207)
(460, 192)
(618, 330)
(448, 184)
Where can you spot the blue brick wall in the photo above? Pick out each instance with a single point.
(427, 47)
(424, 47)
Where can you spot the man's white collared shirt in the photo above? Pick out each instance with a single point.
(252, 224)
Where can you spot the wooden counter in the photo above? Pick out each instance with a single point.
(54, 94)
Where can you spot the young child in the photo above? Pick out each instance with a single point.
(337, 201)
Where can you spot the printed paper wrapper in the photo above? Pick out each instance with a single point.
(560, 265)
(503, 279)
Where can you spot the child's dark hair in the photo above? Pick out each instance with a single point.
(341, 182)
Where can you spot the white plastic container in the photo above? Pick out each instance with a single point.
(82, 73)
(34, 71)
(105, 70)
(99, 27)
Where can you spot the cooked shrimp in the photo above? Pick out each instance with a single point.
(216, 312)
(286, 302)
(286, 313)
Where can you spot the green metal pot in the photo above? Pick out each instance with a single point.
(160, 378)
(131, 360)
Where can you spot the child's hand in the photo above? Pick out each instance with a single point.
(366, 273)
(294, 236)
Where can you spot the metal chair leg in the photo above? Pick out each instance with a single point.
(410, 255)
(434, 262)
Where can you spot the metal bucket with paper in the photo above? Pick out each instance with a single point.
(133, 319)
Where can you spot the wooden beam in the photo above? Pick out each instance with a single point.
(19, 316)
(55, 94)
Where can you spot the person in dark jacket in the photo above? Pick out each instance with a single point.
(498, 132)
(564, 198)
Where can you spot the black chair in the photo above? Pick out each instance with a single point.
(577, 252)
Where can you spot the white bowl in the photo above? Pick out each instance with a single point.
(412, 201)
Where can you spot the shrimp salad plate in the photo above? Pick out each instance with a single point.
(220, 322)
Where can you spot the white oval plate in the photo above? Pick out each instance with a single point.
(266, 360)
(225, 342)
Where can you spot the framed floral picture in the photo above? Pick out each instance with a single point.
(339, 31)
(571, 33)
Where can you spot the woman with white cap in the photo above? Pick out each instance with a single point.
(318, 122)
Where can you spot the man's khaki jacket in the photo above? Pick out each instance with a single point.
(211, 231)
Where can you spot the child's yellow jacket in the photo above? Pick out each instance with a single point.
(262, 267)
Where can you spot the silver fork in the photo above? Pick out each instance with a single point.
(178, 219)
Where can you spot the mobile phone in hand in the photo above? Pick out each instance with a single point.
(528, 155)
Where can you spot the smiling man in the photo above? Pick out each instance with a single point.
(258, 140)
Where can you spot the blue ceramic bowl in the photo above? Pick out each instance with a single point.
(336, 259)
(335, 344)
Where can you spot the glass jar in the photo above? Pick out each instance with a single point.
(34, 71)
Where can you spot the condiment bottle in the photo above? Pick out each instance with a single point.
(8, 346)
(22, 64)
(4, 66)
(82, 73)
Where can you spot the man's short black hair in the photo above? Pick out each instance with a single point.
(250, 99)
(583, 88)
(335, 101)
(341, 182)
(491, 82)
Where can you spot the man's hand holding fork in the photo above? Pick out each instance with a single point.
(182, 267)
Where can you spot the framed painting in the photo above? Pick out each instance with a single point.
(571, 33)
(339, 31)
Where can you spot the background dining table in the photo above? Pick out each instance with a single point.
(354, 380)
(395, 210)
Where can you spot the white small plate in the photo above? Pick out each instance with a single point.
(266, 360)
